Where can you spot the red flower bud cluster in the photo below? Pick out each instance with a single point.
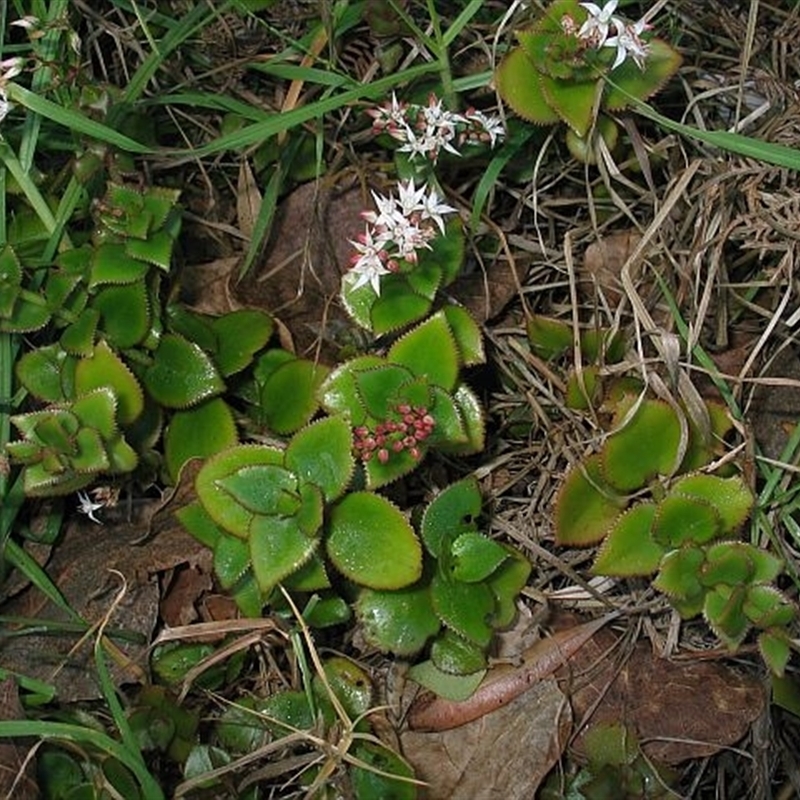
(406, 430)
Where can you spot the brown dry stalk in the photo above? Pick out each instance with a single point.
(504, 684)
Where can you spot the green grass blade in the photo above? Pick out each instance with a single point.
(27, 185)
(777, 154)
(261, 131)
(64, 731)
(461, 22)
(73, 120)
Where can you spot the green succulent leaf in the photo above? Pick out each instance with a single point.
(380, 387)
(452, 687)
(181, 374)
(731, 497)
(467, 335)
(358, 303)
(583, 388)
(263, 489)
(231, 560)
(723, 610)
(105, 368)
(289, 396)
(398, 621)
(464, 607)
(628, 81)
(199, 523)
(586, 506)
(39, 371)
(277, 549)
(775, 650)
(766, 607)
(472, 417)
(682, 518)
(380, 473)
(240, 335)
(231, 516)
(111, 264)
(738, 562)
(629, 548)
(474, 557)
(156, 250)
(506, 582)
(198, 432)
(124, 313)
(78, 337)
(372, 544)
(321, 454)
(647, 445)
(27, 316)
(429, 350)
(339, 393)
(572, 100)
(520, 85)
(454, 654)
(398, 305)
(453, 511)
(679, 574)
(325, 611)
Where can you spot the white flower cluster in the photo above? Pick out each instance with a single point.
(399, 228)
(627, 36)
(427, 130)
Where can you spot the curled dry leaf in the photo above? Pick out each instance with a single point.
(503, 684)
(665, 720)
(506, 754)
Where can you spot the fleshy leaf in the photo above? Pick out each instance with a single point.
(453, 511)
(39, 371)
(464, 607)
(429, 350)
(78, 337)
(400, 621)
(775, 650)
(339, 392)
(156, 249)
(647, 446)
(181, 374)
(627, 79)
(471, 411)
(371, 543)
(111, 264)
(105, 368)
(454, 654)
(277, 548)
(231, 560)
(731, 497)
(737, 562)
(379, 388)
(678, 576)
(474, 557)
(263, 489)
(289, 397)
(629, 549)
(231, 516)
(321, 454)
(397, 306)
(682, 518)
(585, 506)
(444, 684)
(374, 779)
(506, 582)
(572, 100)
(241, 334)
(467, 334)
(198, 432)
(124, 313)
(519, 84)
(10, 280)
(724, 612)
(766, 607)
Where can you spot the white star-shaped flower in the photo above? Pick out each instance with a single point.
(368, 263)
(88, 506)
(628, 43)
(596, 28)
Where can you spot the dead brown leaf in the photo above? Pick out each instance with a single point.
(678, 710)
(501, 756)
(308, 251)
(604, 259)
(17, 776)
(83, 567)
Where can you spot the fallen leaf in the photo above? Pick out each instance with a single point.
(678, 710)
(505, 754)
(604, 260)
(17, 774)
(504, 683)
(82, 567)
(179, 604)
